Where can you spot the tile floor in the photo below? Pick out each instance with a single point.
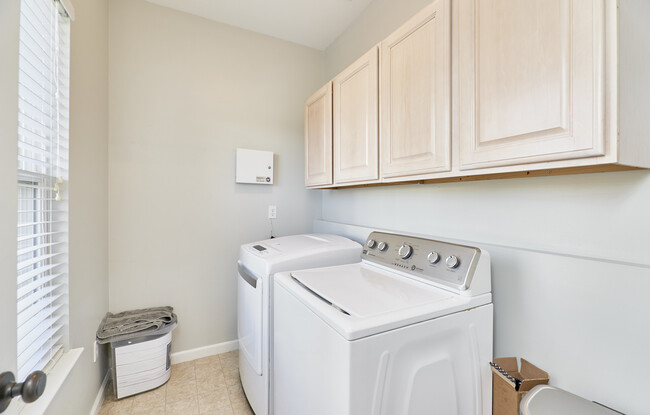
(205, 386)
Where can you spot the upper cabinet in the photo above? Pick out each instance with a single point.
(531, 81)
(415, 93)
(318, 137)
(481, 89)
(356, 107)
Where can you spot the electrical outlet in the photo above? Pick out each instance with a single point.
(272, 212)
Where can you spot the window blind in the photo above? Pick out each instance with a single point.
(42, 241)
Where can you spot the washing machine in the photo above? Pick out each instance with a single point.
(257, 264)
(407, 331)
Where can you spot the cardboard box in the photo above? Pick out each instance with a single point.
(505, 395)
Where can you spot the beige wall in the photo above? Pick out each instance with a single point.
(88, 201)
(185, 92)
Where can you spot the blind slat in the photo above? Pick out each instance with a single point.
(38, 20)
(40, 199)
(35, 236)
(36, 260)
(35, 124)
(32, 299)
(47, 361)
(35, 352)
(41, 359)
(37, 319)
(24, 290)
(29, 160)
(47, 222)
(32, 147)
(35, 273)
(35, 309)
(34, 335)
(26, 135)
(27, 93)
(36, 248)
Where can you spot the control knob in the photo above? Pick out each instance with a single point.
(405, 251)
(382, 246)
(371, 243)
(452, 261)
(433, 257)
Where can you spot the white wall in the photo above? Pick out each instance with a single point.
(571, 271)
(185, 92)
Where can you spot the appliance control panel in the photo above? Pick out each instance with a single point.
(429, 260)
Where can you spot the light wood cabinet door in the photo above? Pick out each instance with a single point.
(356, 140)
(318, 137)
(415, 95)
(531, 81)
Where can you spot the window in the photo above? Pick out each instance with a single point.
(42, 243)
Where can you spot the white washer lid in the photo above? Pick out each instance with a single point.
(364, 292)
(360, 300)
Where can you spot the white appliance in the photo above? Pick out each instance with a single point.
(408, 331)
(258, 262)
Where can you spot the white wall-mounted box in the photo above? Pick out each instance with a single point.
(254, 166)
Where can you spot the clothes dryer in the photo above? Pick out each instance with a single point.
(257, 264)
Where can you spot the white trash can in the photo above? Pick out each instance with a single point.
(140, 342)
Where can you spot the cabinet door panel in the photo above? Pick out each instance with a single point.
(318, 137)
(530, 81)
(415, 95)
(355, 94)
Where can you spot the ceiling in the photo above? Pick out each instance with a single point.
(313, 23)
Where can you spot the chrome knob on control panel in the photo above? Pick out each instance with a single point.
(452, 261)
(382, 246)
(372, 244)
(433, 257)
(405, 251)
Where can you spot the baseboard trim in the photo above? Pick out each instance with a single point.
(205, 351)
(99, 400)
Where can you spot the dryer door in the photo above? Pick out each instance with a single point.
(249, 317)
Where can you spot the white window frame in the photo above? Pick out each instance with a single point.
(42, 214)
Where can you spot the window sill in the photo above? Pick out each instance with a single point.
(55, 380)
